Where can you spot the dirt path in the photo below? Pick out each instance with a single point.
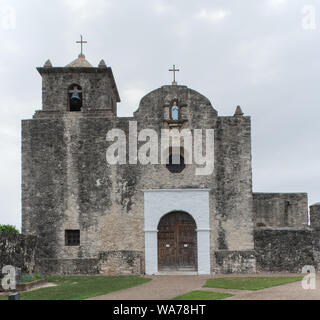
(168, 287)
(160, 288)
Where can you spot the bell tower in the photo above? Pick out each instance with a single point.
(78, 87)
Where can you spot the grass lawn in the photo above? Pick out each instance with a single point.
(203, 295)
(249, 283)
(81, 287)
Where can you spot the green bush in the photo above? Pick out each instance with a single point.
(9, 229)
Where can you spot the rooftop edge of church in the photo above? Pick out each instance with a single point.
(94, 89)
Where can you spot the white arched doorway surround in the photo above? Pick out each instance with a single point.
(158, 203)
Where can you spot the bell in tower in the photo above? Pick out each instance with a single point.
(75, 98)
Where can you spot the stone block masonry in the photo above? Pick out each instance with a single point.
(240, 262)
(109, 262)
(19, 251)
(31, 253)
(315, 216)
(280, 209)
(285, 249)
(121, 262)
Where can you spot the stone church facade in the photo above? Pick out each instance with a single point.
(94, 217)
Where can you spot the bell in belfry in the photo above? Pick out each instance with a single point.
(75, 98)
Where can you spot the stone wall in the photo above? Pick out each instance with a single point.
(121, 262)
(19, 251)
(276, 250)
(280, 209)
(235, 262)
(68, 266)
(315, 216)
(232, 225)
(44, 178)
(30, 254)
(110, 263)
(285, 249)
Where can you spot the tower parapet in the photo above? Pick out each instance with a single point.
(78, 87)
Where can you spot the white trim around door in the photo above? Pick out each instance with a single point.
(158, 203)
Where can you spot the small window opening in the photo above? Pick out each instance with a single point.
(72, 238)
(176, 163)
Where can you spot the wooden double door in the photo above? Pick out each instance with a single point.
(177, 242)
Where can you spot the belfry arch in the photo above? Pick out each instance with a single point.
(75, 98)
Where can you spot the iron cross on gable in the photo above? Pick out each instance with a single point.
(82, 43)
(174, 70)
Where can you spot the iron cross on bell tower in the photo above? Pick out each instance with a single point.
(82, 43)
(174, 70)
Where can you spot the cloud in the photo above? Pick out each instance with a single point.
(88, 8)
(212, 15)
(182, 29)
(11, 48)
(162, 8)
(277, 3)
(131, 97)
(257, 58)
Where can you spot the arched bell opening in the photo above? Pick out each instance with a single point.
(75, 98)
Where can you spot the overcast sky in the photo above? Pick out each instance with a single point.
(261, 54)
